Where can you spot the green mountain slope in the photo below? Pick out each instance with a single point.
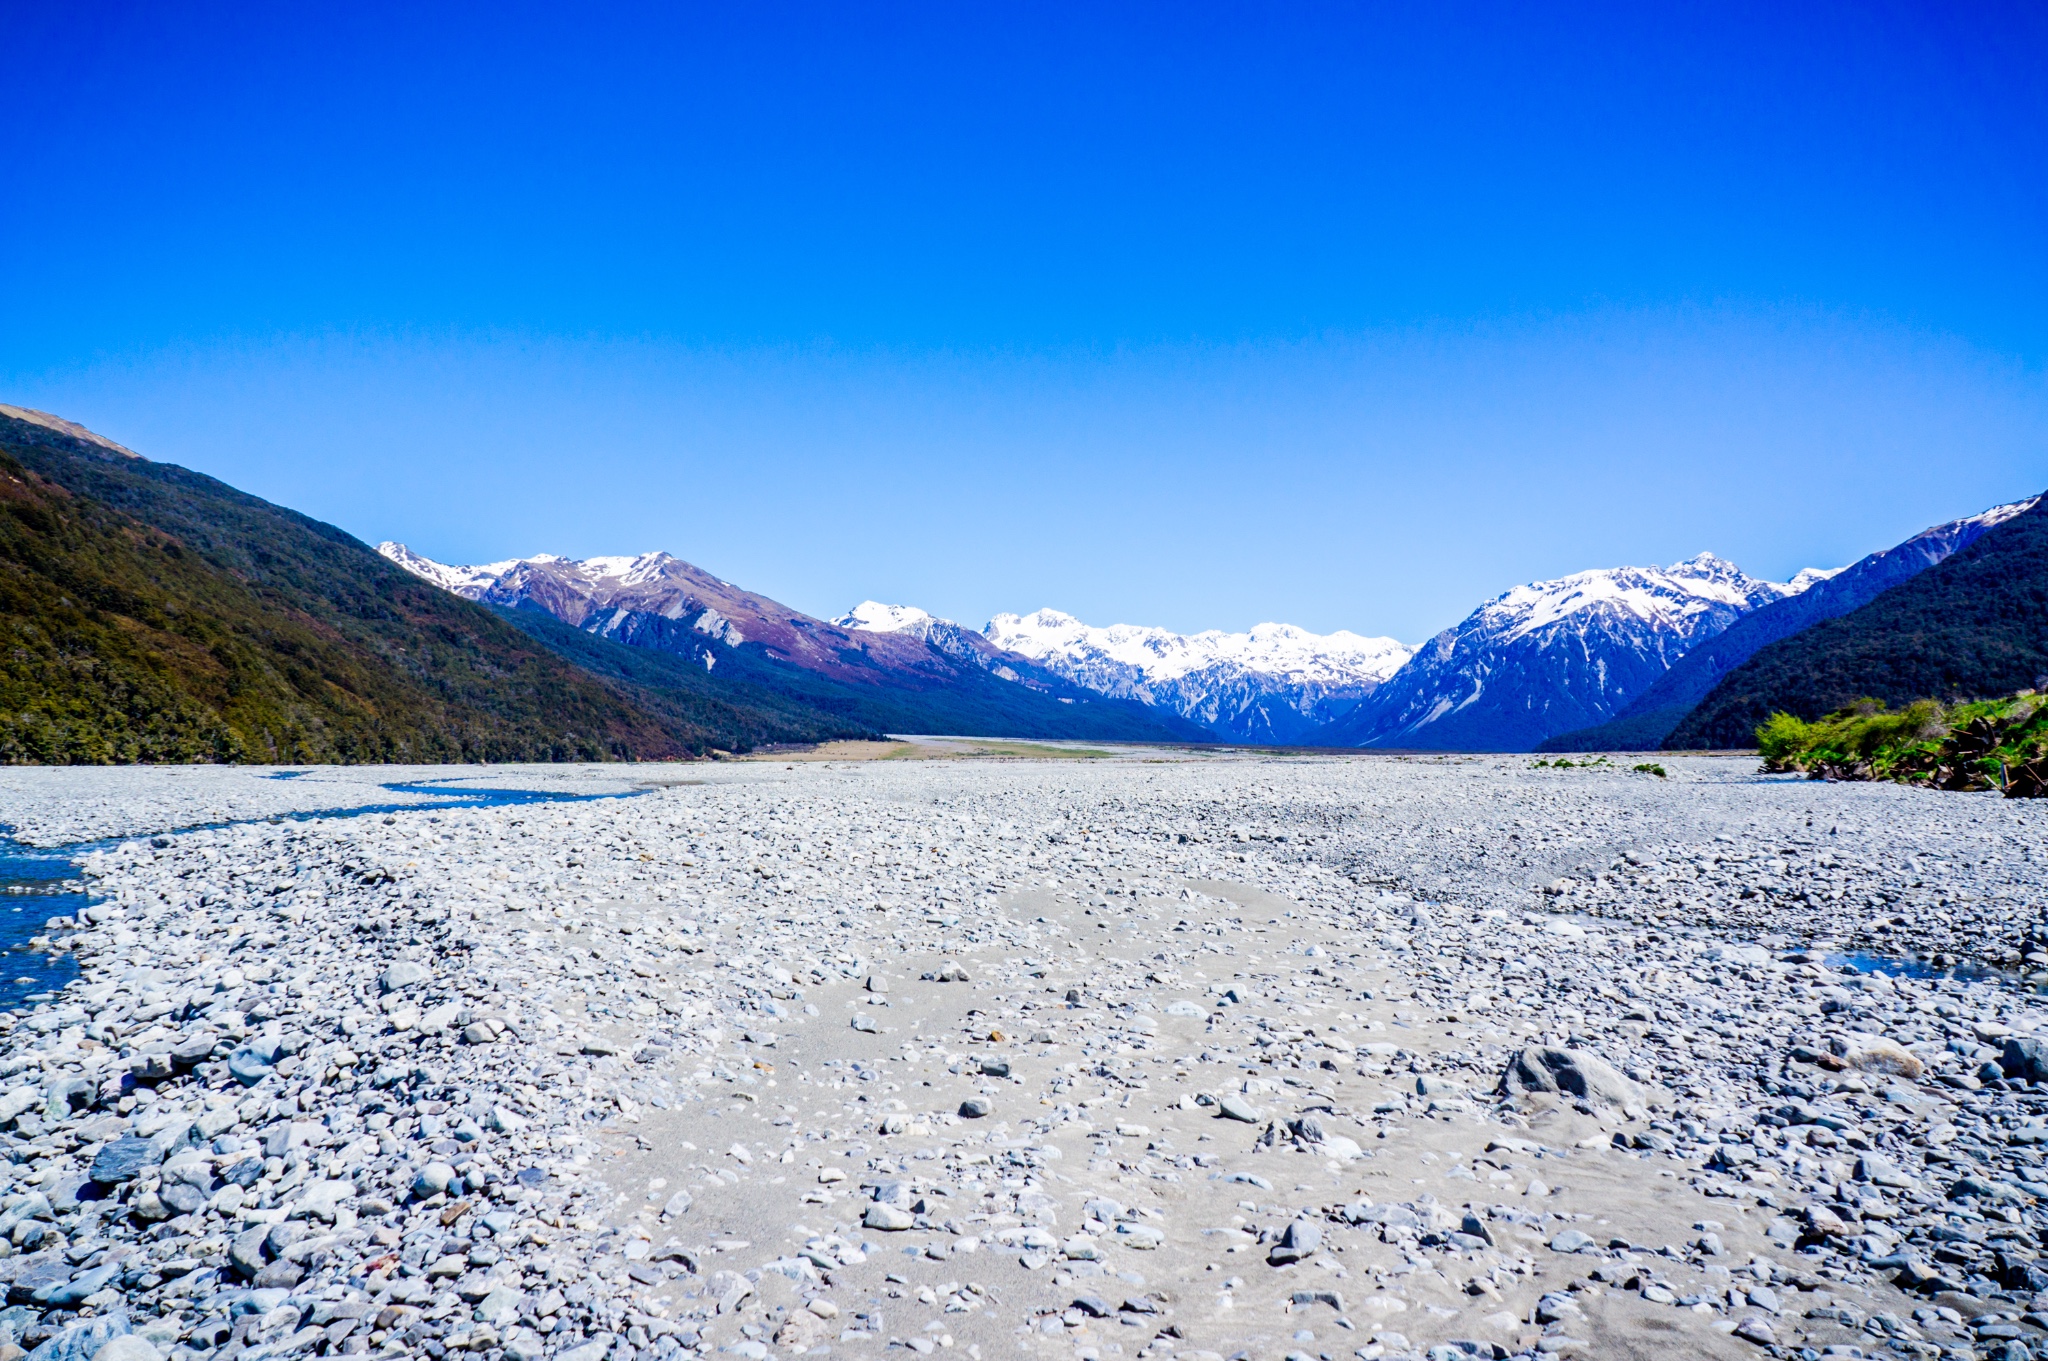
(150, 613)
(1974, 626)
(662, 681)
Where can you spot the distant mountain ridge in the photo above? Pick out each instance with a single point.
(955, 640)
(1972, 626)
(1275, 683)
(1652, 716)
(1554, 656)
(935, 680)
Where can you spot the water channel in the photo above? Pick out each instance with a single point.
(41, 883)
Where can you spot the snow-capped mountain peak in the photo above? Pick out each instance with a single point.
(872, 616)
(1666, 598)
(464, 581)
(1161, 655)
(1555, 656)
(637, 570)
(1812, 576)
(658, 602)
(1275, 682)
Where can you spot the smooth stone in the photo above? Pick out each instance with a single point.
(405, 973)
(2025, 1059)
(1301, 1239)
(248, 1067)
(500, 1307)
(433, 1179)
(1569, 1072)
(128, 1347)
(122, 1160)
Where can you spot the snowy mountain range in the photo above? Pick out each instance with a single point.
(1276, 683)
(934, 677)
(1553, 656)
(658, 601)
(1543, 659)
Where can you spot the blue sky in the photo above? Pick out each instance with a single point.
(1349, 316)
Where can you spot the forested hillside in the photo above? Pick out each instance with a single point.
(151, 613)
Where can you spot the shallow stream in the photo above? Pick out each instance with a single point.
(39, 884)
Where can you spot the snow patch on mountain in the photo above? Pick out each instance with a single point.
(1811, 576)
(468, 582)
(872, 616)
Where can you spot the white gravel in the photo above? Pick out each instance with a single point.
(1143, 1056)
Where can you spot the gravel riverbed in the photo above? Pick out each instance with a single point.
(1154, 1056)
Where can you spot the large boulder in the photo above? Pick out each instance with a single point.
(2025, 1059)
(1570, 1072)
(1875, 1054)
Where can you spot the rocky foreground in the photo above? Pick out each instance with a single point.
(1204, 1058)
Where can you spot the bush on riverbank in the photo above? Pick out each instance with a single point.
(1989, 744)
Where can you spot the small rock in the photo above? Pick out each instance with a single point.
(973, 1108)
(1756, 1328)
(128, 1347)
(122, 1159)
(888, 1218)
(524, 1344)
(2025, 1059)
(245, 1250)
(248, 1067)
(1874, 1054)
(1237, 1108)
(1301, 1239)
(433, 1180)
(405, 973)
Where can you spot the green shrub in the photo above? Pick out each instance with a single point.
(1986, 744)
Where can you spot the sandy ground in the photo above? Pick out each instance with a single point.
(1237, 1023)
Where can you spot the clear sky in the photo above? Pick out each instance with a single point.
(1351, 316)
